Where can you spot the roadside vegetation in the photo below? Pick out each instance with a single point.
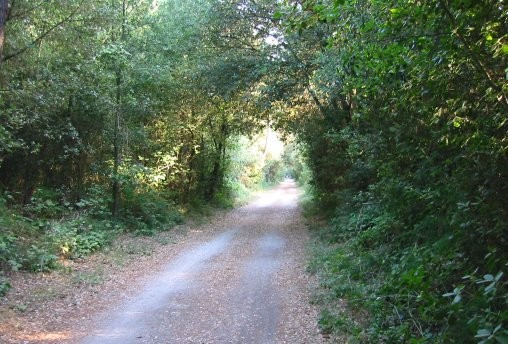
(41, 235)
(405, 134)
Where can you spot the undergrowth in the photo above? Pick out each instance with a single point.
(38, 236)
(385, 282)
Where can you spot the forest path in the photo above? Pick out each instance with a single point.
(241, 279)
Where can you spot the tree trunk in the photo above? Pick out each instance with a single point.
(217, 176)
(265, 150)
(117, 151)
(116, 145)
(4, 4)
(30, 180)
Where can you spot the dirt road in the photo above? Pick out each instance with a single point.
(245, 285)
(238, 278)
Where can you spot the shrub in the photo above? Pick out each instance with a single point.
(9, 252)
(97, 203)
(4, 284)
(45, 203)
(147, 210)
(81, 236)
(39, 259)
(414, 287)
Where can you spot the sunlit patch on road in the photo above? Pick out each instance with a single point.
(284, 196)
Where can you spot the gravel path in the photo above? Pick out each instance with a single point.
(239, 278)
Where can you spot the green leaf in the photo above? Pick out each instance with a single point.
(483, 333)
(395, 11)
(488, 278)
(456, 299)
(490, 288)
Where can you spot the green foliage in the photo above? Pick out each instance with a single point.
(403, 134)
(79, 237)
(4, 284)
(410, 292)
(329, 322)
(53, 228)
(273, 172)
(395, 112)
(136, 116)
(148, 209)
(294, 163)
(8, 252)
(252, 163)
(96, 203)
(39, 259)
(37, 241)
(45, 203)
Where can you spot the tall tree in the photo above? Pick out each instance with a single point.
(118, 113)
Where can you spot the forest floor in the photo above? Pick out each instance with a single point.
(237, 277)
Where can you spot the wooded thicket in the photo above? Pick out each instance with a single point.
(95, 89)
(404, 120)
(400, 107)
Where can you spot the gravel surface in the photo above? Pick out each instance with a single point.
(239, 278)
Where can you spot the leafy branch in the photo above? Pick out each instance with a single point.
(43, 35)
(477, 62)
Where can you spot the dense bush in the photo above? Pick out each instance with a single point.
(405, 134)
(147, 211)
(80, 236)
(415, 287)
(4, 284)
(36, 236)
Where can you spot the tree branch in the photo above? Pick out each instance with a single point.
(43, 35)
(476, 60)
